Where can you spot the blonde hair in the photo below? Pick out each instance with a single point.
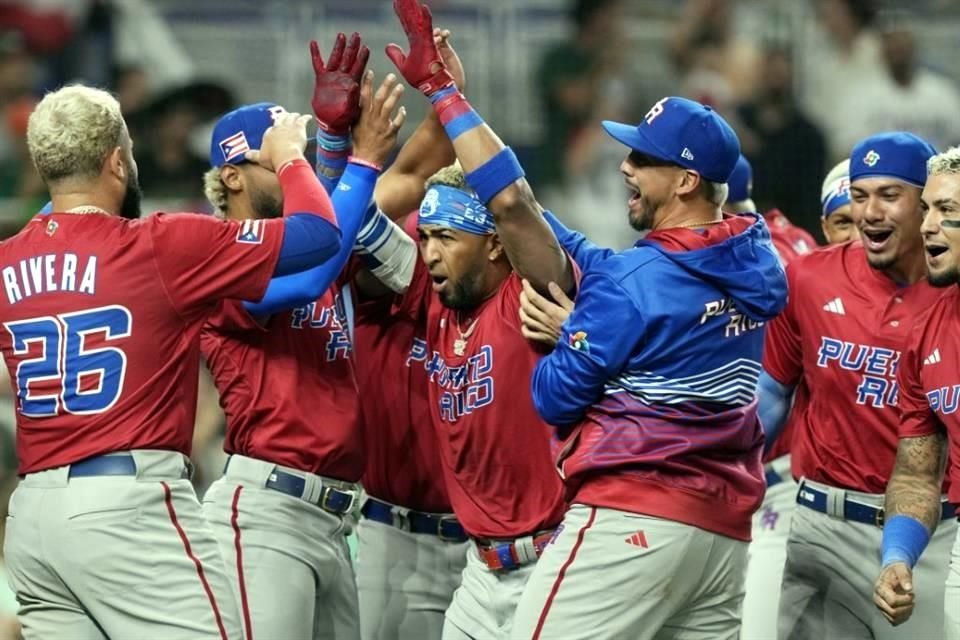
(215, 191)
(72, 131)
(715, 192)
(450, 176)
(946, 162)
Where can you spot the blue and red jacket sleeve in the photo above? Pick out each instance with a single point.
(593, 349)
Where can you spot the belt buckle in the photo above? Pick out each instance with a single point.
(441, 520)
(327, 492)
(880, 518)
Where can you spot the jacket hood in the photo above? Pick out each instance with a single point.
(746, 267)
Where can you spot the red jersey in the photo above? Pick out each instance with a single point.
(495, 448)
(403, 455)
(102, 317)
(789, 240)
(839, 341)
(288, 387)
(930, 383)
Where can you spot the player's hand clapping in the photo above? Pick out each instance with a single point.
(893, 593)
(541, 318)
(336, 88)
(423, 66)
(375, 133)
(283, 142)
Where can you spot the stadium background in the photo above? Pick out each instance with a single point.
(796, 77)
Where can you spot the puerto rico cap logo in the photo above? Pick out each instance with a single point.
(872, 158)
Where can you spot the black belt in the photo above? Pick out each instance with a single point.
(446, 528)
(816, 499)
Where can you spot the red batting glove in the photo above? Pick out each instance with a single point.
(423, 67)
(336, 88)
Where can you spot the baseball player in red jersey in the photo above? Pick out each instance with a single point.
(494, 450)
(768, 545)
(101, 321)
(838, 345)
(411, 548)
(929, 423)
(279, 512)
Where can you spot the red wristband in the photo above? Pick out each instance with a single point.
(365, 163)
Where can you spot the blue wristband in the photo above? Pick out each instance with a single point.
(904, 539)
(495, 175)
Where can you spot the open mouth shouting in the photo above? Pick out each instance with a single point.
(934, 251)
(438, 281)
(876, 239)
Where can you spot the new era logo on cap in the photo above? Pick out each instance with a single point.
(872, 158)
(683, 132)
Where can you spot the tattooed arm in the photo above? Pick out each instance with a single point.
(914, 487)
(912, 511)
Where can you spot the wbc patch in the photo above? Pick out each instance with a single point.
(872, 158)
(578, 341)
(235, 145)
(251, 232)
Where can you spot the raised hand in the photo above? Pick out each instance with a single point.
(422, 66)
(283, 142)
(450, 58)
(336, 88)
(375, 133)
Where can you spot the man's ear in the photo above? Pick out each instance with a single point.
(232, 178)
(494, 247)
(115, 164)
(688, 183)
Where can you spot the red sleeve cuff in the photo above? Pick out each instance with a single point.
(302, 192)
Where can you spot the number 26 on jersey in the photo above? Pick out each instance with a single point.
(63, 374)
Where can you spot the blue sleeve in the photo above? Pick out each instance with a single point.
(583, 252)
(332, 152)
(593, 349)
(775, 401)
(351, 200)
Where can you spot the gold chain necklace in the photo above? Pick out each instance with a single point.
(460, 344)
(690, 225)
(85, 209)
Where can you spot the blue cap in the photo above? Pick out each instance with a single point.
(895, 154)
(240, 131)
(685, 133)
(740, 181)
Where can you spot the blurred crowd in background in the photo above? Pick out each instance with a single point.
(801, 80)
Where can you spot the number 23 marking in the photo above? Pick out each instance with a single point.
(65, 359)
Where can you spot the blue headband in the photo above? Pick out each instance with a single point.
(451, 207)
(837, 197)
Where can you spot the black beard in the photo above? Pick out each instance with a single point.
(264, 206)
(130, 207)
(464, 294)
(945, 279)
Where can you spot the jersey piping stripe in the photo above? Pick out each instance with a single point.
(168, 498)
(241, 580)
(563, 571)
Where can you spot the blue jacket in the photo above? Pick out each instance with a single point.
(665, 327)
